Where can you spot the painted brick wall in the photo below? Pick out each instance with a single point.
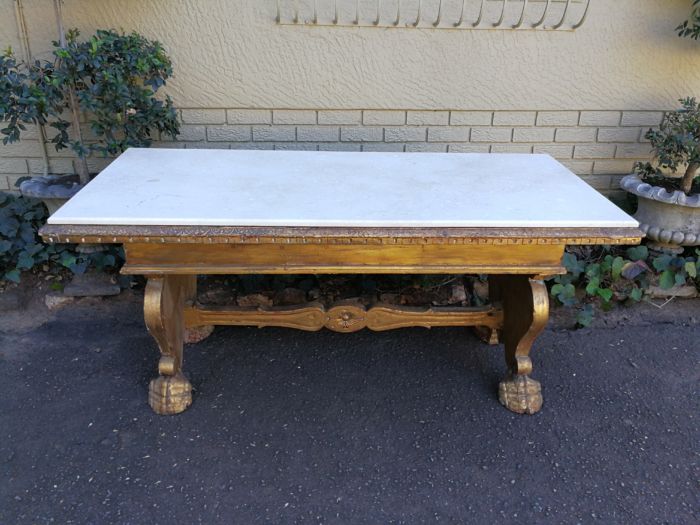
(600, 146)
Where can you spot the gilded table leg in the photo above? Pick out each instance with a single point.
(194, 334)
(525, 310)
(487, 334)
(171, 392)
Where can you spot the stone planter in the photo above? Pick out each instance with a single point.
(53, 190)
(671, 220)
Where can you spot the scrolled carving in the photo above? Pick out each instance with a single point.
(346, 318)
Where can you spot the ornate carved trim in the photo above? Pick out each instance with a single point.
(354, 236)
(345, 317)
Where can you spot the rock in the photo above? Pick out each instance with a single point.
(481, 289)
(255, 299)
(91, 284)
(55, 300)
(389, 298)
(196, 334)
(417, 296)
(290, 296)
(457, 293)
(220, 295)
(686, 291)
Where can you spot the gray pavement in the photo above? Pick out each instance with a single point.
(392, 427)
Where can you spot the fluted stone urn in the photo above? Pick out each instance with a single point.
(670, 219)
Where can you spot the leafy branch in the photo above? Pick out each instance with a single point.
(113, 78)
(691, 27)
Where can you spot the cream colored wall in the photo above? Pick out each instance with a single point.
(242, 81)
(230, 53)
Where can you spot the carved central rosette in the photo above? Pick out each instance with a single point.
(346, 318)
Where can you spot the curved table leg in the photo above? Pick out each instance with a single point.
(195, 334)
(164, 302)
(526, 311)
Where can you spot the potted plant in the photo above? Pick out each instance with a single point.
(668, 188)
(110, 79)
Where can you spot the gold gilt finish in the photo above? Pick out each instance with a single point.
(164, 302)
(526, 310)
(516, 260)
(145, 259)
(306, 235)
(348, 317)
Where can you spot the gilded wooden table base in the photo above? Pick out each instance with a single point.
(516, 260)
(518, 313)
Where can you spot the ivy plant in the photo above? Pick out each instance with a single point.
(21, 248)
(605, 276)
(111, 78)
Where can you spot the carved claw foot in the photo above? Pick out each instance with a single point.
(169, 395)
(197, 334)
(520, 394)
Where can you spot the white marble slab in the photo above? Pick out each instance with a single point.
(294, 188)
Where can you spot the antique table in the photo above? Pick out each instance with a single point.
(180, 213)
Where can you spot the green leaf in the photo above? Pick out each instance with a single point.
(25, 261)
(13, 275)
(691, 268)
(593, 270)
(565, 294)
(573, 265)
(67, 259)
(605, 293)
(592, 286)
(667, 279)
(638, 253)
(662, 262)
(585, 316)
(617, 264)
(636, 294)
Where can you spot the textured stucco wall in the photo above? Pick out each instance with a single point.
(241, 81)
(230, 53)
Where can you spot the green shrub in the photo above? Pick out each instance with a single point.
(111, 78)
(21, 248)
(602, 276)
(676, 146)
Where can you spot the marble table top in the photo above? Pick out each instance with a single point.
(200, 187)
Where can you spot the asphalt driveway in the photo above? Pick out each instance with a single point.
(393, 427)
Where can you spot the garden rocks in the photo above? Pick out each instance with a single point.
(684, 291)
(55, 300)
(254, 300)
